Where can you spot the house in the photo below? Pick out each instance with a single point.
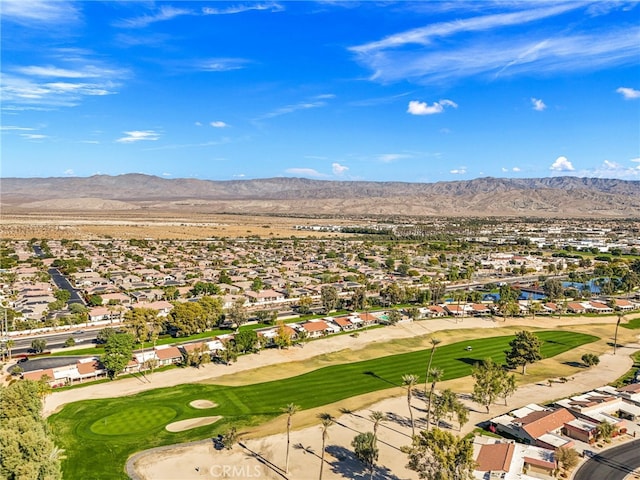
(598, 307)
(575, 307)
(480, 310)
(497, 459)
(531, 423)
(367, 319)
(437, 311)
(344, 323)
(624, 305)
(316, 328)
(168, 355)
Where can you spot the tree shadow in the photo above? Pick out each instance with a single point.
(398, 420)
(261, 459)
(375, 375)
(349, 466)
(574, 364)
(469, 360)
(307, 449)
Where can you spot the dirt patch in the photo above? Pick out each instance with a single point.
(203, 404)
(183, 425)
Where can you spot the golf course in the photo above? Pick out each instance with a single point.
(99, 435)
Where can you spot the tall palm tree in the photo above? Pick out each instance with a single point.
(434, 343)
(436, 375)
(327, 421)
(377, 417)
(290, 410)
(10, 344)
(409, 381)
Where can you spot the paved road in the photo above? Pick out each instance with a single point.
(60, 280)
(56, 340)
(613, 464)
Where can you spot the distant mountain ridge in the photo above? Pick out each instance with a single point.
(549, 196)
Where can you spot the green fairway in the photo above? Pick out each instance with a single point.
(113, 429)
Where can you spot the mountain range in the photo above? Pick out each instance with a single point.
(558, 197)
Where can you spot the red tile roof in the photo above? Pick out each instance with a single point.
(495, 457)
(539, 423)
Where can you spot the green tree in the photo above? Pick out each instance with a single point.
(283, 336)
(304, 304)
(410, 380)
(230, 438)
(329, 297)
(566, 457)
(488, 385)
(38, 345)
(94, 300)
(525, 350)
(605, 430)
(104, 335)
(246, 341)
(434, 343)
(509, 385)
(63, 295)
(237, 314)
(117, 353)
(28, 451)
(291, 409)
(553, 289)
(9, 344)
(358, 299)
(70, 342)
(365, 449)
(440, 455)
(590, 359)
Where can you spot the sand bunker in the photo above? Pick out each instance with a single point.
(202, 404)
(191, 423)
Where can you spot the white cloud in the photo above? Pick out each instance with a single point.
(33, 136)
(166, 12)
(562, 164)
(32, 13)
(13, 127)
(392, 157)
(272, 7)
(165, 174)
(516, 169)
(538, 105)
(198, 124)
(423, 108)
(305, 172)
(441, 52)
(504, 170)
(458, 171)
(628, 93)
(138, 135)
(221, 64)
(611, 169)
(338, 169)
(239, 175)
(292, 108)
(69, 172)
(218, 124)
(637, 159)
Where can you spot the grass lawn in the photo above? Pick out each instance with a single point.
(631, 324)
(99, 435)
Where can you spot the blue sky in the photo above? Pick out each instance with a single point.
(380, 91)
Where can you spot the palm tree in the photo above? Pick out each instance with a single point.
(436, 375)
(434, 342)
(615, 337)
(327, 421)
(10, 344)
(290, 410)
(409, 381)
(377, 417)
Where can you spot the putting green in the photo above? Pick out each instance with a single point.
(133, 420)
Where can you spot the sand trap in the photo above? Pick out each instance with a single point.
(202, 404)
(191, 423)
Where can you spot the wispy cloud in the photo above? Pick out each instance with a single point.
(628, 93)
(39, 13)
(76, 74)
(423, 108)
(305, 172)
(33, 136)
(271, 7)
(165, 12)
(458, 171)
(218, 124)
(537, 104)
(221, 64)
(138, 136)
(315, 102)
(611, 169)
(562, 164)
(392, 157)
(9, 128)
(458, 49)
